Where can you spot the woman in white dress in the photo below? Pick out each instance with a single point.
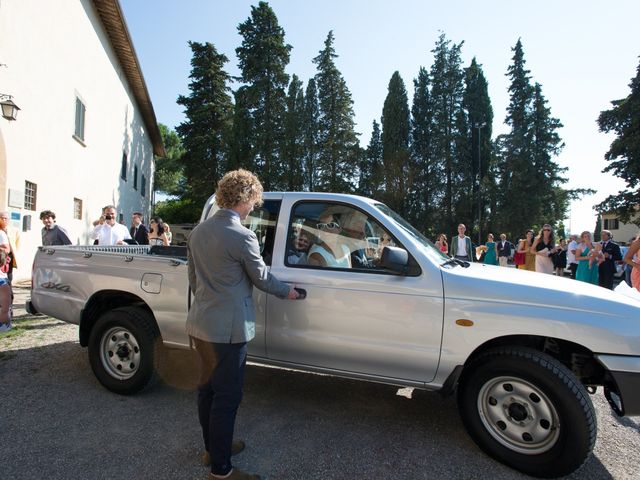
(157, 235)
(331, 251)
(544, 247)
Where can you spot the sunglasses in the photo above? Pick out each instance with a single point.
(328, 225)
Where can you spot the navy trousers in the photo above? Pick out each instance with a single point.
(219, 396)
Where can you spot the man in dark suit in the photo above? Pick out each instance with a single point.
(138, 231)
(224, 265)
(505, 250)
(612, 254)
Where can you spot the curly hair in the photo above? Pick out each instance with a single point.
(47, 213)
(238, 186)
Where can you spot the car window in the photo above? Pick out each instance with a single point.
(335, 236)
(262, 221)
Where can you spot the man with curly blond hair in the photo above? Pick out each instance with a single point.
(224, 265)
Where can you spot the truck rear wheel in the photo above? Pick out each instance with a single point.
(124, 348)
(527, 410)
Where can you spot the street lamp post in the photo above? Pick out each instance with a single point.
(479, 126)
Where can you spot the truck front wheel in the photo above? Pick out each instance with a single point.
(123, 350)
(527, 410)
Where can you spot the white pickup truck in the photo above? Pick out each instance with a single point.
(522, 350)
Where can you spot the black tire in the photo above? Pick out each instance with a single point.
(527, 410)
(124, 348)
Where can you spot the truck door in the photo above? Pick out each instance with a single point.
(262, 221)
(357, 317)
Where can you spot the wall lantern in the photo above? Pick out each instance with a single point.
(9, 109)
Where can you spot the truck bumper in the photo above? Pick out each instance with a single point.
(625, 370)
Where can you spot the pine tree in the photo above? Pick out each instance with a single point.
(516, 167)
(624, 153)
(262, 58)
(208, 109)
(310, 126)
(546, 144)
(338, 153)
(294, 136)
(395, 144)
(168, 177)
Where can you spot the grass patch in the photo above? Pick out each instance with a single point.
(22, 325)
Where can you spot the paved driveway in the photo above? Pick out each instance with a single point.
(58, 422)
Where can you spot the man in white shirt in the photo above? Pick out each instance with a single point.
(461, 245)
(571, 255)
(110, 232)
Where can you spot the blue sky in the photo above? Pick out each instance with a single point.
(583, 53)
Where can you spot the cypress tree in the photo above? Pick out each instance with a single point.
(262, 58)
(168, 177)
(395, 144)
(310, 126)
(370, 182)
(427, 189)
(240, 149)
(623, 155)
(480, 120)
(338, 153)
(294, 136)
(447, 88)
(208, 109)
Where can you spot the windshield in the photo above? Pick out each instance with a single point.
(428, 247)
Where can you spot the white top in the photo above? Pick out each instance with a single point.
(330, 260)
(462, 246)
(108, 235)
(571, 257)
(4, 240)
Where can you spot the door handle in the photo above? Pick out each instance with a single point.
(302, 293)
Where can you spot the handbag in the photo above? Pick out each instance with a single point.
(519, 258)
(5, 262)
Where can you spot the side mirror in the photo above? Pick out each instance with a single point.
(395, 259)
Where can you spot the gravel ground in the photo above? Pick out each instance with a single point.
(58, 422)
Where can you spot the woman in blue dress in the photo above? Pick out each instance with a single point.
(587, 260)
(491, 252)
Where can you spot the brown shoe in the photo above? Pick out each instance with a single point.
(236, 447)
(236, 474)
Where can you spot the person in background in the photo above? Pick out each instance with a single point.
(139, 231)
(544, 247)
(631, 258)
(330, 251)
(53, 234)
(491, 251)
(505, 250)
(224, 265)
(524, 247)
(441, 243)
(167, 232)
(461, 247)
(560, 258)
(13, 236)
(571, 255)
(585, 255)
(5, 288)
(110, 232)
(612, 254)
(157, 235)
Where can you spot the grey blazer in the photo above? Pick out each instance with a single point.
(224, 264)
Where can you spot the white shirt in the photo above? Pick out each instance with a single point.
(571, 257)
(108, 235)
(462, 246)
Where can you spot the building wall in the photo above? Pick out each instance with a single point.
(55, 52)
(624, 233)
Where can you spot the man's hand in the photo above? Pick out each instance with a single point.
(293, 294)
